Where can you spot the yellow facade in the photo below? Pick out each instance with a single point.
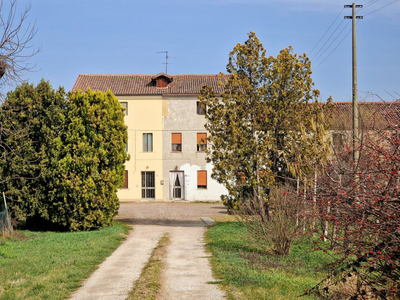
(144, 116)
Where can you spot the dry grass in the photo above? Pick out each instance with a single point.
(345, 289)
(225, 218)
(148, 285)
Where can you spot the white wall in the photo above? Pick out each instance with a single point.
(192, 193)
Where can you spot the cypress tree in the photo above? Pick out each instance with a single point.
(62, 157)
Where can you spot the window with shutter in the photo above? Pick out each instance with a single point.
(176, 142)
(201, 179)
(125, 186)
(201, 142)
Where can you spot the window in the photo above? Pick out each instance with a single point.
(201, 179)
(124, 105)
(177, 142)
(147, 142)
(162, 82)
(125, 186)
(201, 142)
(201, 110)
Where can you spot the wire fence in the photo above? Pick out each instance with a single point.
(5, 222)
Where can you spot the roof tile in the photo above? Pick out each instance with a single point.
(144, 84)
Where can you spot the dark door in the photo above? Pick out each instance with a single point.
(148, 185)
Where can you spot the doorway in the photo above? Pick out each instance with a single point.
(176, 185)
(148, 186)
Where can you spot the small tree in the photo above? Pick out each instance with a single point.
(93, 165)
(284, 224)
(262, 124)
(32, 131)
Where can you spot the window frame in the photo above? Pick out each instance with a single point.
(126, 106)
(145, 138)
(178, 145)
(201, 111)
(201, 145)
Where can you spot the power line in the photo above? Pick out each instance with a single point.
(316, 59)
(326, 32)
(381, 7)
(333, 33)
(370, 3)
(333, 49)
(337, 46)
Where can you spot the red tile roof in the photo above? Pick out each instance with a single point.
(377, 114)
(371, 114)
(145, 85)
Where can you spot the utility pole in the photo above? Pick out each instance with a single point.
(356, 153)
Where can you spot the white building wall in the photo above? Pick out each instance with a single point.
(214, 189)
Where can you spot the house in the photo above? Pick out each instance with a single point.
(373, 116)
(165, 135)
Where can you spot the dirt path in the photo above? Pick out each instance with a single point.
(187, 268)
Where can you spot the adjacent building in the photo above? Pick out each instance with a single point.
(165, 135)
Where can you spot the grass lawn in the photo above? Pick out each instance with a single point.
(246, 272)
(51, 265)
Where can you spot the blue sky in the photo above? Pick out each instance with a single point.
(124, 36)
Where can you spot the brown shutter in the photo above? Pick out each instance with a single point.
(125, 186)
(176, 138)
(202, 178)
(201, 138)
(161, 82)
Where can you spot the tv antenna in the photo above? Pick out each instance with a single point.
(166, 61)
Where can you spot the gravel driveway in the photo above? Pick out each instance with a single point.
(186, 266)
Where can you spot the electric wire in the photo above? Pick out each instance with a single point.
(372, 2)
(381, 7)
(316, 59)
(333, 49)
(316, 56)
(322, 47)
(326, 32)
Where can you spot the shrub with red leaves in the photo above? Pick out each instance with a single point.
(358, 206)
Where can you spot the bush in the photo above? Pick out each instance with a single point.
(284, 222)
(65, 159)
(361, 206)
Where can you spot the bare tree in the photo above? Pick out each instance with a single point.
(15, 44)
(15, 50)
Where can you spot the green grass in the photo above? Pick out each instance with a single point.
(247, 272)
(51, 265)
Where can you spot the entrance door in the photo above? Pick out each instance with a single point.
(148, 187)
(176, 185)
